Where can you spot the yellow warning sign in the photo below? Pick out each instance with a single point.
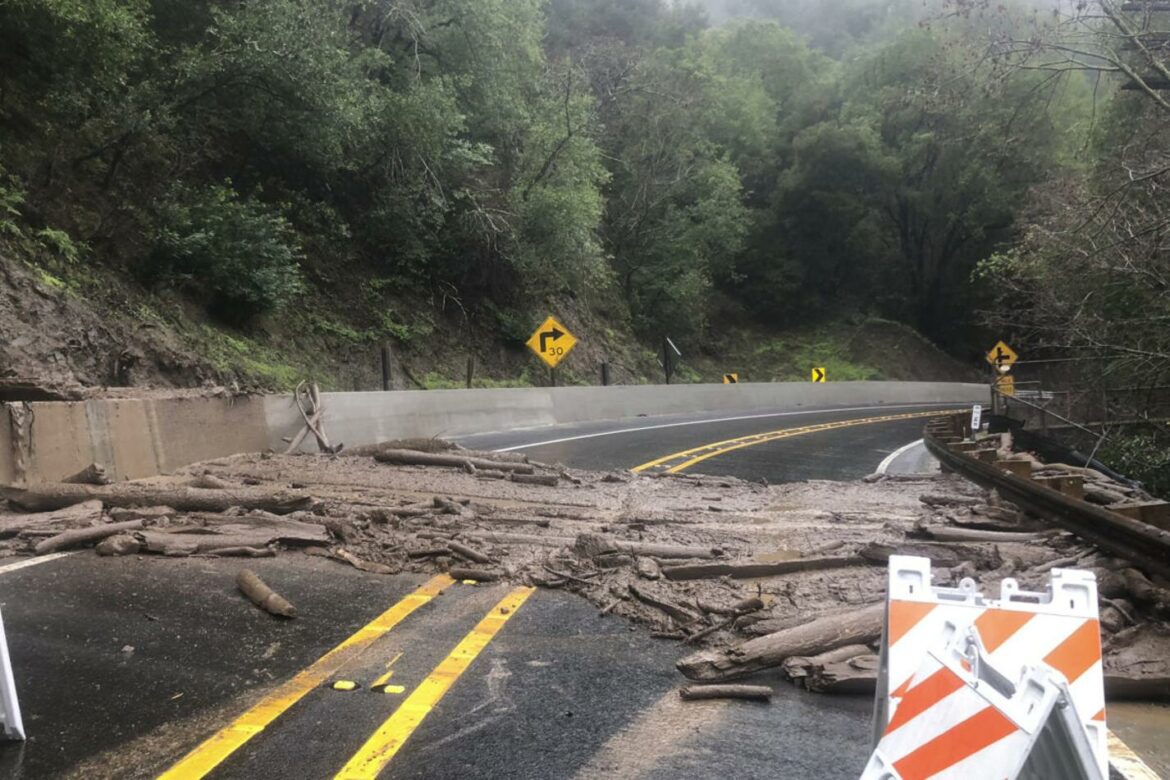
(731, 379)
(552, 342)
(819, 375)
(1002, 356)
(1006, 384)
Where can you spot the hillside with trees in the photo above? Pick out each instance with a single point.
(263, 190)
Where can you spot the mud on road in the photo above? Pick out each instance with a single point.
(705, 561)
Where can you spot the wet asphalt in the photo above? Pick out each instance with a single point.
(125, 664)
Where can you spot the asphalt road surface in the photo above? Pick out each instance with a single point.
(136, 667)
(821, 453)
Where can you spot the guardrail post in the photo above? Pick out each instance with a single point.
(605, 373)
(470, 370)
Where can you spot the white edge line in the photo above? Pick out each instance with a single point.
(893, 456)
(722, 420)
(35, 561)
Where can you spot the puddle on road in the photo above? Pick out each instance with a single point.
(1144, 727)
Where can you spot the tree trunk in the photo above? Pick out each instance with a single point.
(80, 536)
(748, 692)
(828, 633)
(41, 498)
(709, 571)
(416, 458)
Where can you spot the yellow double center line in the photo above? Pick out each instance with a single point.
(381, 747)
(393, 733)
(200, 761)
(670, 464)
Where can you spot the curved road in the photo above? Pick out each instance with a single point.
(167, 655)
(777, 446)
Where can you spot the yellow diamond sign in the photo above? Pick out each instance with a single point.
(1001, 355)
(551, 342)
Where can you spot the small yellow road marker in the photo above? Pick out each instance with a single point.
(207, 756)
(380, 748)
(344, 685)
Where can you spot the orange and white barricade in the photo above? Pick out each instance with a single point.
(979, 688)
(11, 726)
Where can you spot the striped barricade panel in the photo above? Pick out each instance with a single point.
(10, 723)
(932, 711)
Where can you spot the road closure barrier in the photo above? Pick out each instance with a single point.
(974, 687)
(10, 724)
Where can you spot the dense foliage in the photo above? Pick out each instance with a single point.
(682, 169)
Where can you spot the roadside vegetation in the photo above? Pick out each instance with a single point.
(368, 171)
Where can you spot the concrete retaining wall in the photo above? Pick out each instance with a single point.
(138, 438)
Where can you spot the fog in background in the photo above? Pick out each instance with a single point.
(835, 25)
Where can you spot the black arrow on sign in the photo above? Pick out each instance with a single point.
(553, 334)
(818, 375)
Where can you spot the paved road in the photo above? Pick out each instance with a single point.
(127, 665)
(823, 453)
(559, 692)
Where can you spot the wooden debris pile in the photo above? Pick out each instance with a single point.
(747, 578)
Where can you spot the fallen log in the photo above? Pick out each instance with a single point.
(463, 551)
(93, 474)
(971, 535)
(539, 522)
(361, 564)
(1099, 495)
(416, 458)
(80, 536)
(495, 537)
(428, 552)
(179, 544)
(930, 499)
(744, 607)
(748, 692)
(854, 676)
(593, 545)
(210, 482)
(42, 498)
(545, 480)
(242, 552)
(277, 528)
(492, 455)
(118, 544)
(827, 633)
(940, 555)
(564, 575)
(79, 515)
(798, 667)
(675, 611)
(738, 608)
(263, 596)
(708, 571)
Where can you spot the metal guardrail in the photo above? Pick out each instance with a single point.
(1145, 545)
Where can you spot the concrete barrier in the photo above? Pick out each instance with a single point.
(144, 437)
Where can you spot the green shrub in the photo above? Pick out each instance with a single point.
(1141, 456)
(241, 255)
